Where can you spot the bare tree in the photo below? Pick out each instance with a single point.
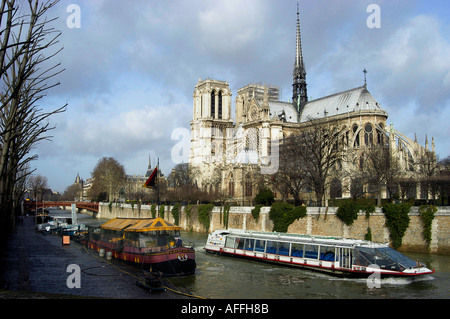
(25, 71)
(444, 179)
(309, 160)
(109, 177)
(320, 150)
(292, 174)
(38, 185)
(73, 192)
(182, 179)
(383, 168)
(428, 169)
(406, 186)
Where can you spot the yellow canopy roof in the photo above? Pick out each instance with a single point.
(139, 224)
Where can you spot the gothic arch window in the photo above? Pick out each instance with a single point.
(380, 137)
(231, 186)
(213, 103)
(355, 131)
(248, 185)
(345, 138)
(336, 188)
(409, 161)
(220, 105)
(368, 135)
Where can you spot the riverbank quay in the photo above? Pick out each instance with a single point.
(38, 266)
(319, 221)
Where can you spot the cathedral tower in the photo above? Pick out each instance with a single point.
(299, 93)
(211, 119)
(212, 100)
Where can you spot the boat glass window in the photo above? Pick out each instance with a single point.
(327, 253)
(111, 235)
(271, 247)
(240, 243)
(249, 244)
(385, 257)
(311, 251)
(396, 257)
(283, 248)
(94, 233)
(151, 238)
(297, 250)
(229, 243)
(260, 245)
(364, 256)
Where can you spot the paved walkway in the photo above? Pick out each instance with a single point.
(34, 265)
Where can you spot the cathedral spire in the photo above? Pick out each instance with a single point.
(299, 93)
(365, 79)
(298, 53)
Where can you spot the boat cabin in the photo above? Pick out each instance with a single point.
(142, 232)
(321, 252)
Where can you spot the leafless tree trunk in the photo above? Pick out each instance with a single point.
(25, 71)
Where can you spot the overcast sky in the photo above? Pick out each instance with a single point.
(131, 69)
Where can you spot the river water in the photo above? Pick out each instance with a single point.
(229, 277)
(222, 277)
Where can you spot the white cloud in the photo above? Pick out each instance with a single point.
(417, 56)
(123, 134)
(230, 26)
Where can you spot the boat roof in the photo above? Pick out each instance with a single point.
(139, 224)
(312, 239)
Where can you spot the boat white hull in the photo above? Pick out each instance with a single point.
(329, 267)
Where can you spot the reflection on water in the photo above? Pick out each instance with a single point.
(227, 277)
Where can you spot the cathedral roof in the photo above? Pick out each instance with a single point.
(286, 110)
(354, 100)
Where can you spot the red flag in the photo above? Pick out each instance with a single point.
(152, 180)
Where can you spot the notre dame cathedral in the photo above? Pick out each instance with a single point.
(228, 155)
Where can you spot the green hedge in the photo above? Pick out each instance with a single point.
(256, 211)
(348, 213)
(397, 221)
(283, 214)
(204, 214)
(176, 213)
(426, 213)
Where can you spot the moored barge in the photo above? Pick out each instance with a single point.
(333, 255)
(151, 243)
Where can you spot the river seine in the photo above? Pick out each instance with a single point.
(221, 277)
(235, 278)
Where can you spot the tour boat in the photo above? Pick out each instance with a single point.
(333, 255)
(152, 243)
